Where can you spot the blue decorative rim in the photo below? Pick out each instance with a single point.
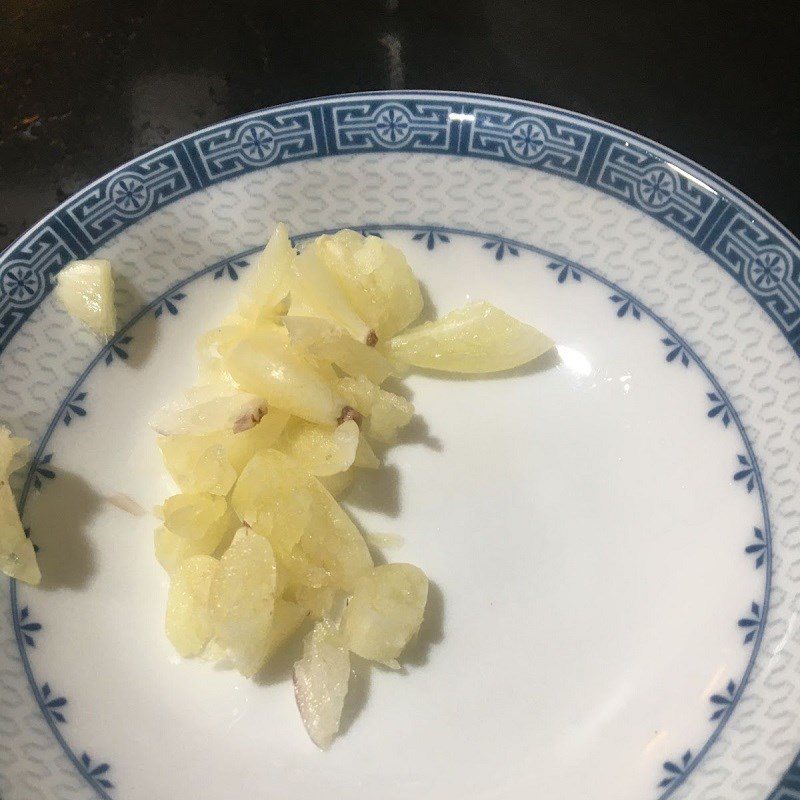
(624, 305)
(759, 252)
(749, 244)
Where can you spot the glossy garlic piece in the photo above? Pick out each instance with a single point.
(321, 678)
(191, 516)
(336, 485)
(17, 556)
(332, 552)
(209, 409)
(268, 284)
(315, 292)
(389, 413)
(376, 278)
(188, 618)
(385, 411)
(358, 393)
(478, 338)
(287, 618)
(324, 340)
(273, 496)
(265, 363)
(242, 600)
(86, 290)
(205, 463)
(172, 550)
(321, 449)
(385, 612)
(365, 456)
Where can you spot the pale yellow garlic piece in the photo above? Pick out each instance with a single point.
(273, 496)
(385, 611)
(266, 364)
(192, 515)
(376, 279)
(315, 292)
(321, 449)
(325, 340)
(478, 338)
(172, 550)
(188, 619)
(17, 556)
(86, 290)
(321, 679)
(266, 287)
(206, 463)
(242, 600)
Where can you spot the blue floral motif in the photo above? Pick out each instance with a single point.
(624, 305)
(97, 772)
(118, 348)
(500, 248)
(723, 702)
(768, 270)
(751, 623)
(676, 351)
(757, 548)
(170, 304)
(392, 125)
(231, 268)
(28, 627)
(527, 140)
(719, 408)
(53, 703)
(746, 472)
(430, 237)
(41, 470)
(675, 771)
(657, 187)
(565, 271)
(257, 142)
(19, 282)
(129, 194)
(75, 407)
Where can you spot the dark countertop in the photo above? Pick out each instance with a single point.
(87, 85)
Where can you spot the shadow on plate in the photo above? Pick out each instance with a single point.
(357, 692)
(418, 432)
(129, 302)
(279, 668)
(430, 633)
(429, 312)
(58, 518)
(376, 490)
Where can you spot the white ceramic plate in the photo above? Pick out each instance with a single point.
(612, 537)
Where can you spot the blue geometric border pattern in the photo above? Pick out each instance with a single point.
(622, 305)
(28, 272)
(260, 141)
(381, 125)
(755, 249)
(644, 180)
(532, 140)
(110, 206)
(765, 268)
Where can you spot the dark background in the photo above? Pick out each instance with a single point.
(87, 85)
